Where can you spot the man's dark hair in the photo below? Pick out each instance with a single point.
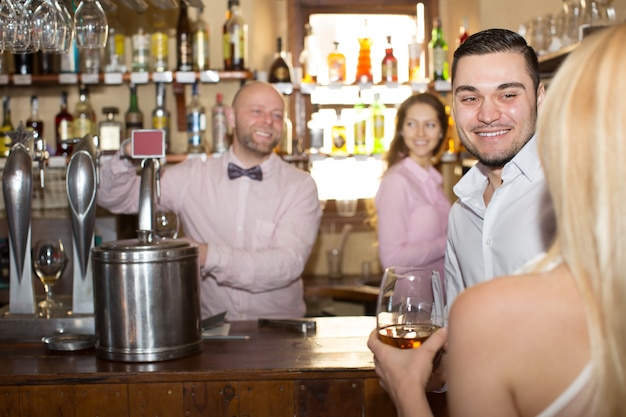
(498, 40)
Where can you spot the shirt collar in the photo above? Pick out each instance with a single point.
(420, 172)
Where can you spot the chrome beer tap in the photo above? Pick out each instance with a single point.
(17, 187)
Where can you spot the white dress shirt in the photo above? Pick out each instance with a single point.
(489, 241)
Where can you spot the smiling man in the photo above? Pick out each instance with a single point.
(503, 216)
(253, 216)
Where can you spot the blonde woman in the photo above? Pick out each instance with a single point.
(551, 342)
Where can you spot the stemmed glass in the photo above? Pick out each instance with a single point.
(410, 306)
(48, 263)
(166, 224)
(90, 25)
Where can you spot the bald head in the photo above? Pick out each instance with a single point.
(254, 88)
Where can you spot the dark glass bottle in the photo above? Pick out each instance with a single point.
(34, 121)
(389, 66)
(63, 128)
(279, 71)
(133, 118)
(23, 63)
(184, 51)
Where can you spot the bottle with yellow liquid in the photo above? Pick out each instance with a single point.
(378, 124)
(339, 137)
(364, 63)
(360, 127)
(7, 126)
(336, 66)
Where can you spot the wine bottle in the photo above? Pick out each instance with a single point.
(279, 70)
(336, 65)
(389, 66)
(219, 126)
(463, 35)
(438, 53)
(225, 38)
(237, 36)
(360, 127)
(141, 45)
(364, 63)
(377, 109)
(63, 127)
(159, 43)
(160, 114)
(23, 63)
(84, 116)
(196, 123)
(34, 121)
(183, 41)
(200, 43)
(133, 119)
(110, 130)
(7, 126)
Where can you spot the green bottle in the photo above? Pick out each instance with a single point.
(438, 53)
(378, 124)
(360, 127)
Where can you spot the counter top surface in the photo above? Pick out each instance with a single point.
(338, 346)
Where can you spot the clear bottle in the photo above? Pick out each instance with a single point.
(133, 119)
(141, 45)
(389, 65)
(415, 57)
(219, 126)
(115, 49)
(159, 43)
(360, 127)
(339, 137)
(70, 59)
(90, 61)
(84, 116)
(200, 43)
(184, 61)
(196, 123)
(285, 146)
(377, 110)
(279, 70)
(316, 131)
(160, 115)
(438, 49)
(309, 59)
(237, 36)
(336, 65)
(34, 121)
(110, 130)
(7, 126)
(63, 127)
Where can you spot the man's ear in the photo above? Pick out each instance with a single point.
(230, 116)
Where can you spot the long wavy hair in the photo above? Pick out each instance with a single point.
(582, 143)
(398, 149)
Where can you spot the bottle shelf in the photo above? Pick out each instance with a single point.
(210, 76)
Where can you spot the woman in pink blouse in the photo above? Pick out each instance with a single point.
(411, 206)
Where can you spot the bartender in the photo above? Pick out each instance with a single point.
(253, 216)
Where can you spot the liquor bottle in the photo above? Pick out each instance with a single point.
(141, 45)
(279, 70)
(225, 41)
(360, 127)
(159, 43)
(115, 49)
(196, 123)
(219, 126)
(316, 131)
(70, 62)
(84, 116)
(339, 138)
(200, 43)
(336, 66)
(90, 61)
(34, 121)
(46, 63)
(237, 40)
(463, 35)
(364, 63)
(110, 130)
(133, 119)
(377, 109)
(23, 63)
(389, 66)
(63, 127)
(183, 41)
(7, 126)
(309, 60)
(285, 146)
(160, 114)
(438, 53)
(415, 56)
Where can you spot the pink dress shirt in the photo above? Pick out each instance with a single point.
(412, 212)
(259, 233)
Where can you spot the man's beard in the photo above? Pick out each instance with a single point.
(259, 149)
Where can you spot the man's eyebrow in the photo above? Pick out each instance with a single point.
(511, 85)
(505, 86)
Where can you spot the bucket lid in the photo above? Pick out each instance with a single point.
(136, 250)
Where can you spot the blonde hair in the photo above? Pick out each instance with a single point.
(582, 143)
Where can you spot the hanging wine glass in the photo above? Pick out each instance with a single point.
(90, 24)
(21, 29)
(47, 21)
(65, 33)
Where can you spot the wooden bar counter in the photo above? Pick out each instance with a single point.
(276, 372)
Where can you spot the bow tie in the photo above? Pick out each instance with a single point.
(235, 171)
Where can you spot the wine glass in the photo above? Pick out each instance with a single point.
(410, 306)
(90, 25)
(48, 263)
(166, 224)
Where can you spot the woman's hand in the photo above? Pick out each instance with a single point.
(405, 373)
